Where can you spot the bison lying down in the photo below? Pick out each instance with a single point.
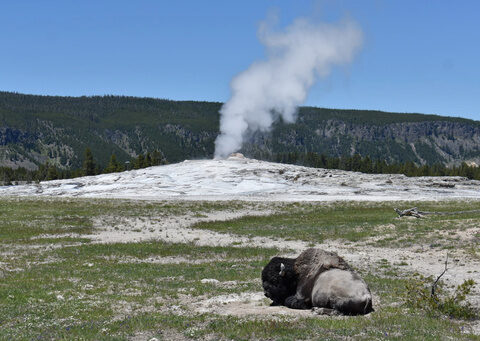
(316, 278)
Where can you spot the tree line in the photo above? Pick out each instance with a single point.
(357, 163)
(354, 163)
(49, 171)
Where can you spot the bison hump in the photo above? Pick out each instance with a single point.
(312, 262)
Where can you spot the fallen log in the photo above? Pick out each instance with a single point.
(411, 212)
(414, 212)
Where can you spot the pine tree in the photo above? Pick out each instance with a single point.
(156, 158)
(148, 160)
(88, 163)
(323, 161)
(139, 162)
(113, 165)
(356, 163)
(52, 173)
(366, 165)
(42, 172)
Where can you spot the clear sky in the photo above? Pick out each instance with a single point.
(418, 56)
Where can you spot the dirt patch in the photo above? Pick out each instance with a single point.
(161, 334)
(469, 235)
(169, 229)
(245, 304)
(159, 260)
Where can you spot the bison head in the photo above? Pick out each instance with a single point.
(279, 279)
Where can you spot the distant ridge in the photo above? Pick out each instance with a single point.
(35, 128)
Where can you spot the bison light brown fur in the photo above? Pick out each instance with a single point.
(316, 278)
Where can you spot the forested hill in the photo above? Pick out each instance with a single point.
(34, 129)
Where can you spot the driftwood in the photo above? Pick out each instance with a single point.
(410, 212)
(414, 212)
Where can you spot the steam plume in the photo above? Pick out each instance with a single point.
(296, 57)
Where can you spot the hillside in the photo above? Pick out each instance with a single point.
(34, 129)
(423, 139)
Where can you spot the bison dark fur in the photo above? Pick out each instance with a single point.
(276, 286)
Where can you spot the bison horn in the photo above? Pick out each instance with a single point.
(282, 269)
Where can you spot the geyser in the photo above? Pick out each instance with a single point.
(297, 57)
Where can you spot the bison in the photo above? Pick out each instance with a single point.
(316, 279)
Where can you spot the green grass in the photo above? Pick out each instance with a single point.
(22, 219)
(92, 284)
(51, 289)
(310, 222)
(353, 222)
(159, 248)
(389, 324)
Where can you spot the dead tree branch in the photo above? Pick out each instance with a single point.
(434, 285)
(414, 212)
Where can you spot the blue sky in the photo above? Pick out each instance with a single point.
(418, 56)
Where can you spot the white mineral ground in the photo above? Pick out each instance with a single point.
(239, 178)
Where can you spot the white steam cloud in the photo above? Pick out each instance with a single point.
(296, 58)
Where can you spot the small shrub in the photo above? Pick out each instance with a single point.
(454, 304)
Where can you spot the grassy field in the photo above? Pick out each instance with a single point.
(57, 281)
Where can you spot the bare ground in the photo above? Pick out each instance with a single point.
(418, 258)
(362, 255)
